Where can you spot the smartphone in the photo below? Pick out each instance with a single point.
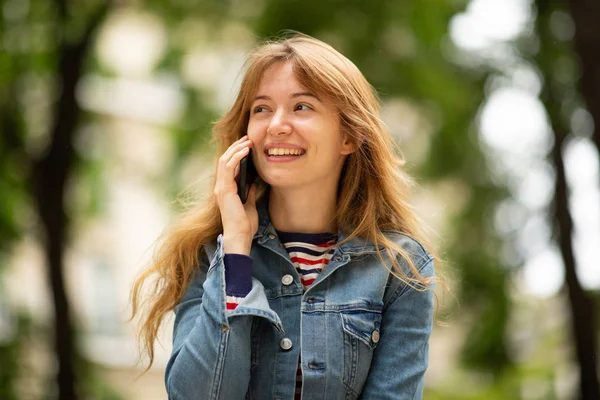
(246, 177)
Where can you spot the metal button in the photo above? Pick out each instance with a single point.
(271, 236)
(285, 344)
(375, 336)
(310, 300)
(338, 258)
(287, 279)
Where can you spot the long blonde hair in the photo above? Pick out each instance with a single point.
(373, 193)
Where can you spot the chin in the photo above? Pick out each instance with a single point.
(287, 181)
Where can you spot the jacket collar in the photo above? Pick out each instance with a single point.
(356, 245)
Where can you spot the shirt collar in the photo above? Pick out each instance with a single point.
(356, 245)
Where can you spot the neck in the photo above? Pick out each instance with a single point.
(295, 210)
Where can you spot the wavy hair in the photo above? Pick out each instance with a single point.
(373, 192)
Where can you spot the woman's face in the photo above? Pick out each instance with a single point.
(297, 137)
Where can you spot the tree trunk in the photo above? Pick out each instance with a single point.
(583, 328)
(50, 176)
(586, 15)
(581, 305)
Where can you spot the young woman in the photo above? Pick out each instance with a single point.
(318, 286)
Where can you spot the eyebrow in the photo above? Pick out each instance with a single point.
(294, 95)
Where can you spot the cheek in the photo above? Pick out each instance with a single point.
(255, 131)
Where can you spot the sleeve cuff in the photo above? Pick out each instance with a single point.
(238, 274)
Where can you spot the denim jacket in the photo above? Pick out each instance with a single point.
(361, 332)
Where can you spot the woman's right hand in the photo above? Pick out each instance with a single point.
(240, 221)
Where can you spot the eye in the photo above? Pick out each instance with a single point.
(258, 109)
(302, 107)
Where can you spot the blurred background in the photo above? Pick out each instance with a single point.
(105, 117)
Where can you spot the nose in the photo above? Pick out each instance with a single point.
(279, 124)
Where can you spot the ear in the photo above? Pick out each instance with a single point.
(347, 146)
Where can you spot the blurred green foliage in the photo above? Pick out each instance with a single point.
(10, 352)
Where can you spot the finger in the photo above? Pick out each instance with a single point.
(235, 145)
(240, 140)
(238, 144)
(228, 173)
(233, 149)
(237, 157)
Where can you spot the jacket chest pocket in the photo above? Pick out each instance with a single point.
(361, 335)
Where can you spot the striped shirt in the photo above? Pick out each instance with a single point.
(309, 253)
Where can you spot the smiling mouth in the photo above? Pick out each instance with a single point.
(284, 152)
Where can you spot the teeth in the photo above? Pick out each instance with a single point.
(281, 152)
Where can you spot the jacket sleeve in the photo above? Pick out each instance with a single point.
(211, 344)
(401, 357)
